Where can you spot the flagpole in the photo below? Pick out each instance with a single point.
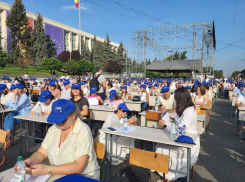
(80, 49)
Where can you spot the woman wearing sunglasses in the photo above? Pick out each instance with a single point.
(68, 145)
(121, 145)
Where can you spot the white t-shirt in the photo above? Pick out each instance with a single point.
(66, 94)
(8, 85)
(5, 98)
(45, 108)
(143, 96)
(241, 98)
(168, 104)
(85, 91)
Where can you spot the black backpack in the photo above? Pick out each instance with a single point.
(135, 174)
(95, 83)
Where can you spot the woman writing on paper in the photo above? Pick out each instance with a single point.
(68, 145)
(123, 144)
(186, 115)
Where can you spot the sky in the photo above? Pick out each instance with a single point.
(100, 17)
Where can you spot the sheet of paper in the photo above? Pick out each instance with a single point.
(29, 178)
(166, 118)
(93, 101)
(130, 129)
(242, 108)
(197, 105)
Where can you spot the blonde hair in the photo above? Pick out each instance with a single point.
(147, 96)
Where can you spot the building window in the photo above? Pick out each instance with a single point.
(74, 42)
(86, 42)
(34, 23)
(66, 37)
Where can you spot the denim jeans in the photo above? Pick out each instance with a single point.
(9, 120)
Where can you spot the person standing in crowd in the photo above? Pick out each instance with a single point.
(186, 116)
(55, 92)
(84, 88)
(66, 93)
(19, 101)
(6, 93)
(102, 82)
(68, 145)
(144, 97)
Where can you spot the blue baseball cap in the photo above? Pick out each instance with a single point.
(44, 80)
(24, 79)
(19, 86)
(156, 84)
(165, 89)
(60, 110)
(45, 95)
(82, 83)
(93, 90)
(124, 87)
(20, 78)
(12, 87)
(185, 139)
(66, 82)
(51, 84)
(188, 87)
(2, 87)
(112, 94)
(7, 78)
(76, 86)
(143, 86)
(123, 106)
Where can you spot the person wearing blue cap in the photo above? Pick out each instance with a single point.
(68, 145)
(144, 97)
(124, 94)
(114, 99)
(84, 88)
(54, 90)
(167, 101)
(78, 98)
(110, 87)
(155, 90)
(20, 101)
(121, 145)
(66, 92)
(6, 93)
(186, 116)
(45, 100)
(7, 82)
(93, 94)
(200, 96)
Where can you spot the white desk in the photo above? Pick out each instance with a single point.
(134, 92)
(28, 118)
(241, 118)
(133, 105)
(9, 174)
(155, 124)
(7, 110)
(100, 113)
(152, 135)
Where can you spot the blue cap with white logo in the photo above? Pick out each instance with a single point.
(60, 111)
(123, 106)
(51, 84)
(66, 82)
(143, 86)
(45, 95)
(12, 87)
(112, 94)
(19, 86)
(93, 90)
(75, 86)
(165, 89)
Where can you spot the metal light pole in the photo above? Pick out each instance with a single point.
(80, 49)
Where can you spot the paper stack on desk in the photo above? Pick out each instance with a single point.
(29, 178)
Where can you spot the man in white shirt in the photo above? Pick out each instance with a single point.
(167, 101)
(241, 98)
(6, 93)
(66, 93)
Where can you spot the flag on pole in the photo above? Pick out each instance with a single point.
(34, 3)
(77, 3)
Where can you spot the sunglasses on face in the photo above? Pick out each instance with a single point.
(123, 110)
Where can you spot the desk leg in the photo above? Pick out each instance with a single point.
(241, 131)
(110, 155)
(21, 137)
(106, 156)
(188, 164)
(27, 137)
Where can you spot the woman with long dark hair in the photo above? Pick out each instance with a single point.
(186, 116)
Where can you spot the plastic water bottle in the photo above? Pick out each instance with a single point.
(30, 97)
(20, 170)
(105, 105)
(125, 125)
(156, 107)
(205, 102)
(39, 111)
(173, 131)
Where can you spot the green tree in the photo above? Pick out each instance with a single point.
(85, 52)
(218, 73)
(98, 54)
(108, 52)
(129, 65)
(148, 61)
(134, 66)
(3, 58)
(155, 59)
(121, 57)
(94, 41)
(51, 49)
(51, 64)
(71, 66)
(235, 73)
(114, 53)
(20, 31)
(1, 40)
(113, 67)
(85, 66)
(39, 43)
(177, 56)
